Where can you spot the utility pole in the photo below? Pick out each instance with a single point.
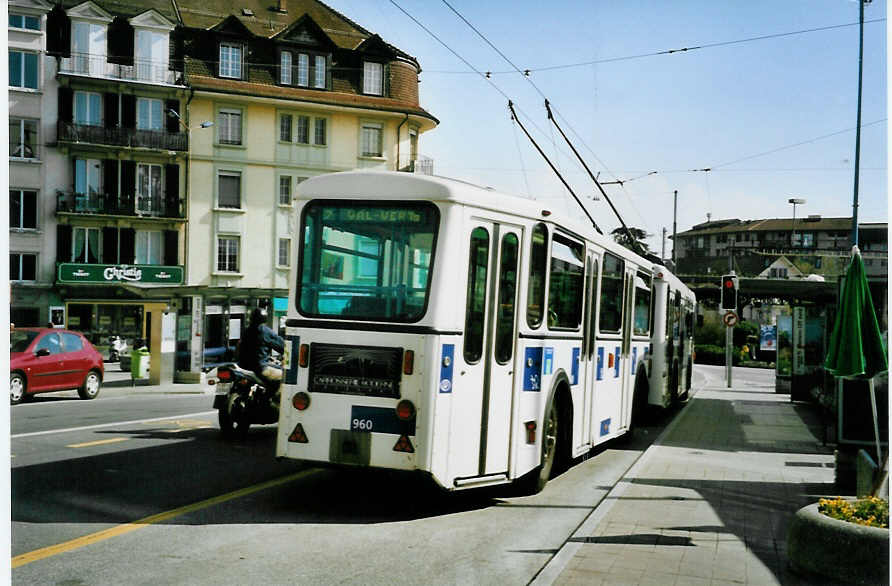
(674, 226)
(663, 253)
(861, 4)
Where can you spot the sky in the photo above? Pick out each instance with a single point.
(756, 112)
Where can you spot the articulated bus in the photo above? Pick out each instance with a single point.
(442, 327)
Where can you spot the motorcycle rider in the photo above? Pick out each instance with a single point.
(254, 351)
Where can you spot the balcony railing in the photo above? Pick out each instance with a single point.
(95, 203)
(421, 165)
(98, 66)
(123, 137)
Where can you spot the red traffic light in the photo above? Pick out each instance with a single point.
(729, 283)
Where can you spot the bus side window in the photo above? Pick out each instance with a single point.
(612, 292)
(475, 311)
(536, 283)
(565, 286)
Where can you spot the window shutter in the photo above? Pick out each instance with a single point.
(128, 246)
(128, 111)
(171, 245)
(172, 190)
(110, 178)
(58, 32)
(111, 110)
(110, 245)
(385, 71)
(66, 104)
(128, 185)
(173, 123)
(63, 243)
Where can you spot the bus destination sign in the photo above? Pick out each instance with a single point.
(373, 215)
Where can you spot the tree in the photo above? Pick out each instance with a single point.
(637, 235)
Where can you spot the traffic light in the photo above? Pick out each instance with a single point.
(729, 292)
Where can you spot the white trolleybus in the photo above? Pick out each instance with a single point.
(442, 327)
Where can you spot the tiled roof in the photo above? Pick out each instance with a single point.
(780, 225)
(210, 83)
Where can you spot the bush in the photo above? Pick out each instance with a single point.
(870, 511)
(712, 354)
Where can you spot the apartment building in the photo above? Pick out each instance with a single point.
(182, 130)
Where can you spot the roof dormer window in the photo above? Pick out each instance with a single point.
(373, 78)
(230, 60)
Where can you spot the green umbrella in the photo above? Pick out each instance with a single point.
(856, 348)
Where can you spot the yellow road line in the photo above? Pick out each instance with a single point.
(113, 440)
(39, 554)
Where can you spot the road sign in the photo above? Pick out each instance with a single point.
(730, 319)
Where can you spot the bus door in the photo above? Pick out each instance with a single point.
(588, 357)
(488, 354)
(625, 360)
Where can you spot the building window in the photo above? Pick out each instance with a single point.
(373, 78)
(320, 135)
(231, 61)
(371, 140)
(229, 194)
(22, 138)
(303, 129)
(148, 188)
(227, 254)
(24, 21)
(88, 108)
(88, 47)
(303, 69)
(284, 252)
(320, 72)
(285, 122)
(151, 55)
(22, 267)
(87, 245)
(149, 114)
(87, 177)
(22, 209)
(285, 190)
(229, 123)
(149, 247)
(285, 68)
(779, 273)
(23, 69)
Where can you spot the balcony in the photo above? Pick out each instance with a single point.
(421, 165)
(94, 203)
(123, 137)
(97, 66)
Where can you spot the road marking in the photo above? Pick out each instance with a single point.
(39, 554)
(101, 425)
(112, 440)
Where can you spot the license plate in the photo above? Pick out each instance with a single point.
(379, 420)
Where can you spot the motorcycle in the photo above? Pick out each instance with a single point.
(242, 398)
(117, 347)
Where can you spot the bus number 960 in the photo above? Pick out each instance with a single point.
(362, 425)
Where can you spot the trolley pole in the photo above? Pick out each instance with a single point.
(674, 225)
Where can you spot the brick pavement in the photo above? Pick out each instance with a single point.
(710, 502)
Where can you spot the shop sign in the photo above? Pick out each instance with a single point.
(85, 273)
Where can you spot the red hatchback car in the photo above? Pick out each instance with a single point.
(43, 360)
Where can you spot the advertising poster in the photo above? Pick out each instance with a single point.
(768, 338)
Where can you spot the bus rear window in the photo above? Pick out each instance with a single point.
(366, 261)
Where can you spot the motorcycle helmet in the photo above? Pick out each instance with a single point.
(258, 316)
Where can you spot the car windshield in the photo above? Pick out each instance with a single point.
(20, 339)
(367, 261)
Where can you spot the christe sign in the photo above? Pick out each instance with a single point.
(100, 273)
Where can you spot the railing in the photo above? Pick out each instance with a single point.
(125, 137)
(98, 66)
(157, 206)
(421, 165)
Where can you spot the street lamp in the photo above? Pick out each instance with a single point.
(795, 201)
(173, 114)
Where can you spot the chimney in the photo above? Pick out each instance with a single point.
(281, 6)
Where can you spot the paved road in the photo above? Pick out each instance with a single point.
(209, 511)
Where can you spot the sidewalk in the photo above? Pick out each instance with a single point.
(709, 503)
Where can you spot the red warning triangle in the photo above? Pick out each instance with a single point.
(298, 435)
(404, 445)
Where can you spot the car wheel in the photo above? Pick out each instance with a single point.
(91, 386)
(17, 387)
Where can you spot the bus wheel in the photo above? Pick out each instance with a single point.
(536, 480)
(639, 406)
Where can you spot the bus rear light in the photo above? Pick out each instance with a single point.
(610, 360)
(300, 401)
(212, 381)
(404, 445)
(408, 361)
(224, 375)
(531, 431)
(405, 410)
(304, 356)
